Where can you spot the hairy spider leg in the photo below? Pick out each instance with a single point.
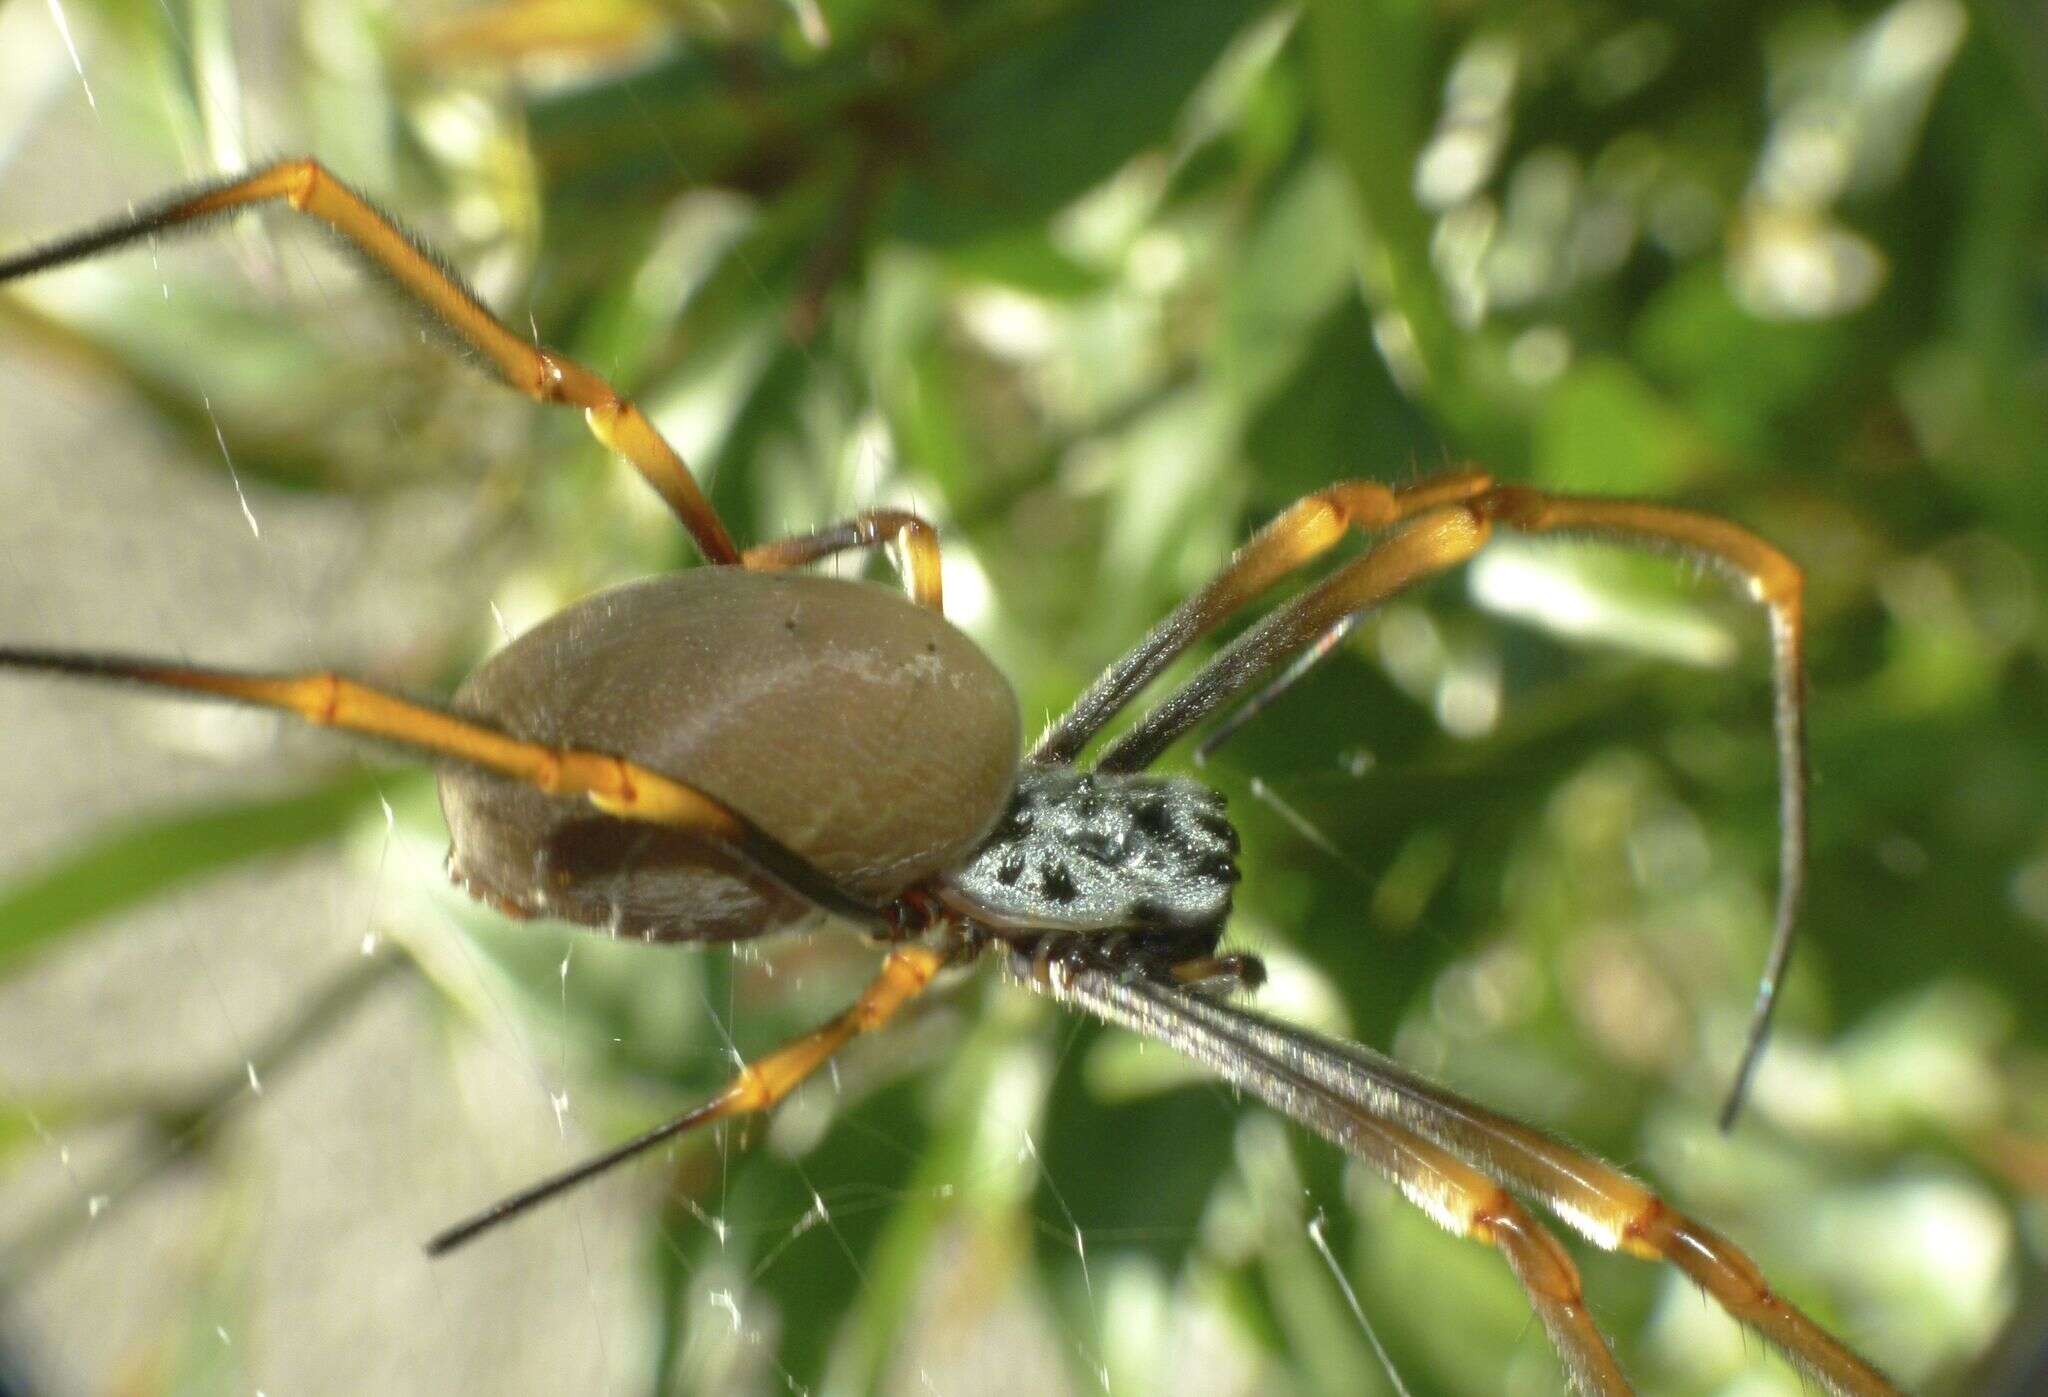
(618, 787)
(310, 188)
(874, 528)
(1456, 1196)
(1379, 1111)
(1293, 539)
(1608, 1207)
(906, 973)
(614, 785)
(1432, 543)
(1297, 668)
(1444, 511)
(1775, 582)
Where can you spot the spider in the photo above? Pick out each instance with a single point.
(721, 752)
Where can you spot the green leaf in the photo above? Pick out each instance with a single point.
(1606, 429)
(1056, 113)
(127, 866)
(1025, 259)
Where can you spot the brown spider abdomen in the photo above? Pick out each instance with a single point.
(857, 728)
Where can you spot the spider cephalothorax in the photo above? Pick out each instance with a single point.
(1102, 851)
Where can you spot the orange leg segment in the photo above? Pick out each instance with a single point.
(1438, 540)
(614, 785)
(1620, 1214)
(1296, 537)
(1603, 1204)
(310, 188)
(1455, 1159)
(1468, 1204)
(876, 528)
(906, 973)
(1774, 581)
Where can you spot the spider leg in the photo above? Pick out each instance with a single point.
(1466, 1203)
(1448, 534)
(875, 528)
(1231, 973)
(1458, 1197)
(618, 787)
(1774, 581)
(1296, 670)
(906, 973)
(1434, 542)
(1606, 1206)
(541, 374)
(1296, 537)
(1348, 1093)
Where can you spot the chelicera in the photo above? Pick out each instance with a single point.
(717, 753)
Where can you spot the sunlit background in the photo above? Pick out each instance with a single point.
(1099, 286)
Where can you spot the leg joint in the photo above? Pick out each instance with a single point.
(302, 179)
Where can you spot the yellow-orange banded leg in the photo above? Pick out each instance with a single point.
(1293, 539)
(1605, 1205)
(875, 528)
(1619, 1213)
(1774, 581)
(310, 188)
(1468, 1204)
(1438, 540)
(618, 787)
(1380, 1111)
(1237, 970)
(1293, 1071)
(1552, 1283)
(906, 973)
(1727, 1274)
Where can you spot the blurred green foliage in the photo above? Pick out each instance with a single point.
(1100, 285)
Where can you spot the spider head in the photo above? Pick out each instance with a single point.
(1098, 851)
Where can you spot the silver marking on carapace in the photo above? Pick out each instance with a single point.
(1090, 851)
